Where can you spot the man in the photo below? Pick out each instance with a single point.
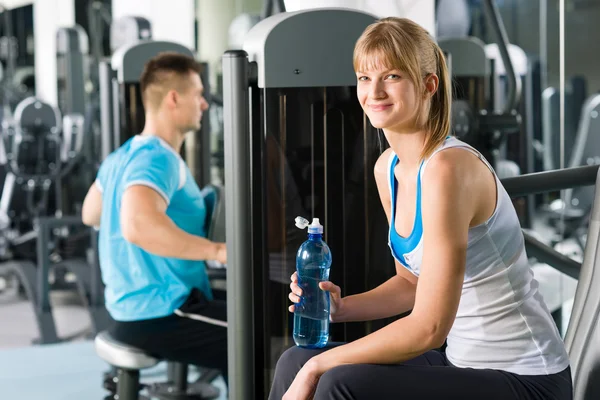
(152, 216)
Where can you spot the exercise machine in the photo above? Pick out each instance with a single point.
(72, 51)
(584, 324)
(42, 148)
(296, 143)
(483, 112)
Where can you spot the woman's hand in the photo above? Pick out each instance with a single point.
(304, 385)
(335, 297)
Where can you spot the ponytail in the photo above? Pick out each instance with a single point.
(438, 121)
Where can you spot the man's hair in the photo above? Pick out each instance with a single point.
(164, 72)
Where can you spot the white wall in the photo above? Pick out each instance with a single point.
(214, 17)
(420, 11)
(171, 20)
(48, 16)
(16, 3)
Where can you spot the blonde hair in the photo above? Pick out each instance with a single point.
(399, 43)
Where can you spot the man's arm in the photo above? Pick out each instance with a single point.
(92, 206)
(144, 222)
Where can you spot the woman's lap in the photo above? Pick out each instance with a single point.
(432, 382)
(428, 376)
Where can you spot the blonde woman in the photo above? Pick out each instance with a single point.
(459, 251)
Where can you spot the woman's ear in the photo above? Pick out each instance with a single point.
(431, 84)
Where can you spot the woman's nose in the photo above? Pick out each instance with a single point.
(377, 90)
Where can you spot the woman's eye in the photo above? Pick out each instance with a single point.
(362, 78)
(393, 76)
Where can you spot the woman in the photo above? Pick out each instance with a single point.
(460, 258)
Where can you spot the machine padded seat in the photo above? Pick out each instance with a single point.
(121, 355)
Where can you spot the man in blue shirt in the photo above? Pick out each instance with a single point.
(152, 235)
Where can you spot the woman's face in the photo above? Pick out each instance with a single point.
(388, 98)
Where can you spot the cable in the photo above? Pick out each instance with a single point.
(514, 82)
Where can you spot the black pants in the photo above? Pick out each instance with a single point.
(429, 376)
(194, 334)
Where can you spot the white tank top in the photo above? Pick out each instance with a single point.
(502, 321)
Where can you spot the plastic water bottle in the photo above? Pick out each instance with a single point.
(311, 314)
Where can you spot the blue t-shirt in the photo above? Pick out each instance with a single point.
(140, 285)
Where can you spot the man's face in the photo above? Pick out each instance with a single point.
(190, 104)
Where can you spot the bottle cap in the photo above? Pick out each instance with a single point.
(314, 227)
(301, 222)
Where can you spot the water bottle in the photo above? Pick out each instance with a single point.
(311, 314)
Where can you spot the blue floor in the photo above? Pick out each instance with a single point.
(66, 371)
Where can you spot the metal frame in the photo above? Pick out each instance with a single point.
(202, 148)
(88, 278)
(268, 61)
(35, 279)
(583, 332)
(514, 83)
(71, 48)
(548, 255)
(584, 324)
(236, 116)
(544, 182)
(107, 112)
(313, 61)
(550, 181)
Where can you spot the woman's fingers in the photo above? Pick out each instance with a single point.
(294, 298)
(295, 289)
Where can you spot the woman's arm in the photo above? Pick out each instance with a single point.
(393, 297)
(449, 203)
(396, 295)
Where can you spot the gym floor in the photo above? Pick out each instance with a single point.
(64, 371)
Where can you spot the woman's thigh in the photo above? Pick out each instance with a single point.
(294, 358)
(358, 382)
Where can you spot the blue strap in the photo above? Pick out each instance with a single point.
(398, 244)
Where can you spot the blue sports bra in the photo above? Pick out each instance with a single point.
(398, 244)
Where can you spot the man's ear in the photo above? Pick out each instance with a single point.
(171, 99)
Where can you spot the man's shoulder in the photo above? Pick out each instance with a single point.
(151, 148)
